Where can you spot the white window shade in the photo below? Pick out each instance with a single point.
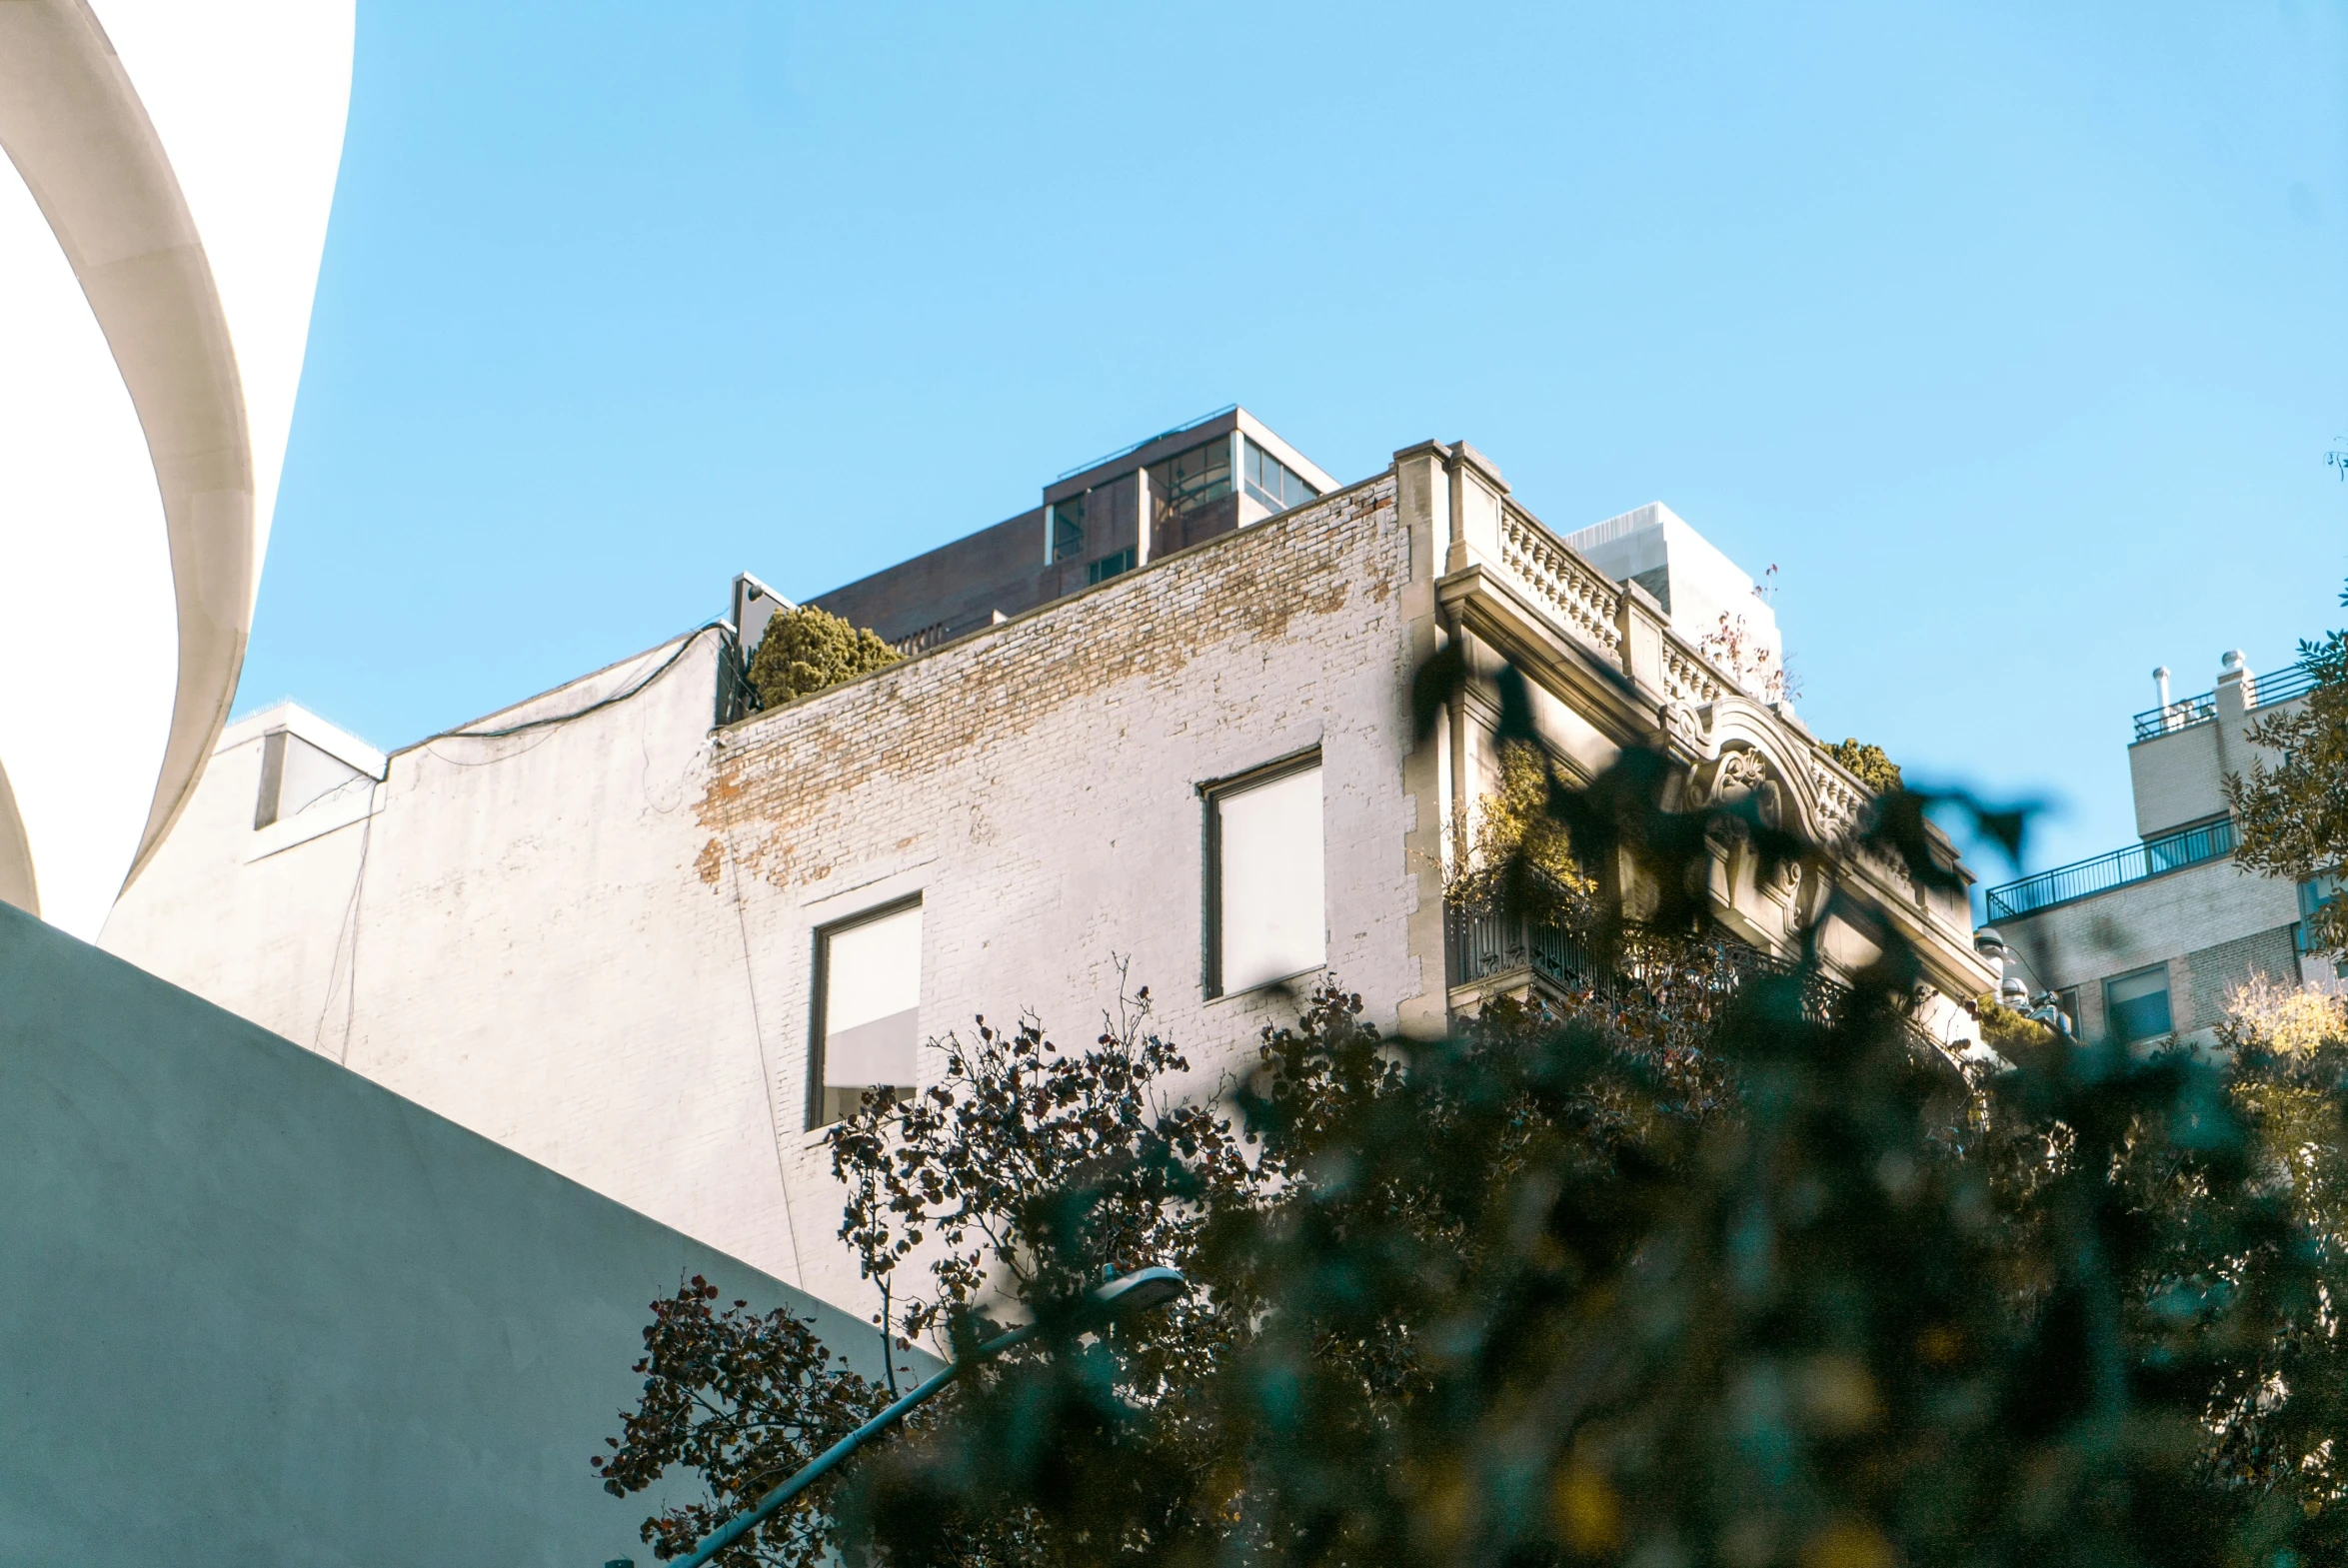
(1268, 902)
(872, 1001)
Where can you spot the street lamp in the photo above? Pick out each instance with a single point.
(1127, 1295)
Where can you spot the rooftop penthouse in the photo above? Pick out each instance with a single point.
(1213, 476)
(1199, 481)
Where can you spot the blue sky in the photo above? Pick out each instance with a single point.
(2011, 334)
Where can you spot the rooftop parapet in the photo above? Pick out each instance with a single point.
(2185, 712)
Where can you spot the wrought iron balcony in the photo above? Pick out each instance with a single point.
(2135, 863)
(1484, 943)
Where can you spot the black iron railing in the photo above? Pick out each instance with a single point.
(2084, 878)
(2284, 685)
(2182, 714)
(1484, 943)
(2185, 712)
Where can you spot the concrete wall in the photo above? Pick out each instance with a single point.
(514, 936)
(263, 1311)
(2178, 777)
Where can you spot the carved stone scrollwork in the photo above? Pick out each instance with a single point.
(1679, 724)
(1744, 775)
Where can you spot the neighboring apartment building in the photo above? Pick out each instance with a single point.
(2147, 941)
(656, 947)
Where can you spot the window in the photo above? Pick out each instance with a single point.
(1110, 565)
(868, 1001)
(1068, 528)
(1264, 903)
(2137, 1005)
(296, 776)
(2318, 891)
(1190, 480)
(1273, 483)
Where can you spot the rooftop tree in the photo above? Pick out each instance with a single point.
(806, 649)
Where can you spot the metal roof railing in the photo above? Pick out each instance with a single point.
(2135, 863)
(2281, 686)
(2179, 714)
(1128, 451)
(2284, 685)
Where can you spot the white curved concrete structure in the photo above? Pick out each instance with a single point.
(171, 163)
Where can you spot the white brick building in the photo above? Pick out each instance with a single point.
(2147, 941)
(596, 927)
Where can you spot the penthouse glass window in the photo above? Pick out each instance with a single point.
(1273, 482)
(1068, 528)
(1110, 565)
(1266, 900)
(2136, 1005)
(1190, 480)
(868, 1002)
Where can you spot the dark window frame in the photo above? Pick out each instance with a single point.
(1115, 564)
(1211, 792)
(1173, 496)
(2168, 994)
(820, 993)
(1067, 527)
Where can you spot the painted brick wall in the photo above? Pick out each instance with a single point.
(593, 940)
(1039, 786)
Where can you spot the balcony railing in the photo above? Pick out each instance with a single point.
(2185, 712)
(2135, 863)
(1484, 943)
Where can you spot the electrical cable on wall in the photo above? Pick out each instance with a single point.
(554, 721)
(766, 1075)
(348, 936)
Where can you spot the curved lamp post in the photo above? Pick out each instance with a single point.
(1127, 1295)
